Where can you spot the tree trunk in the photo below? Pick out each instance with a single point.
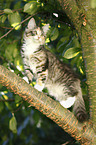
(83, 18)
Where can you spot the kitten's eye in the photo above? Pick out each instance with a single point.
(34, 33)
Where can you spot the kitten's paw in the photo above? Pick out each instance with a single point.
(38, 87)
(26, 79)
(68, 103)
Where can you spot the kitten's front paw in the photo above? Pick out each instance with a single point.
(26, 79)
(68, 103)
(38, 87)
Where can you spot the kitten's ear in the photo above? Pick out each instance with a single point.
(31, 23)
(45, 28)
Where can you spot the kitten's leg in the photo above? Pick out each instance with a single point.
(29, 75)
(40, 59)
(28, 72)
(41, 81)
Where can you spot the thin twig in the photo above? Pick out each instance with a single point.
(6, 27)
(2, 11)
(6, 33)
(7, 100)
(15, 27)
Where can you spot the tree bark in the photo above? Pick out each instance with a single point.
(83, 18)
(82, 132)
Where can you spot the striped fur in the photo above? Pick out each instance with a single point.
(50, 72)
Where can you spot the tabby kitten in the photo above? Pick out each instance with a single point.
(50, 72)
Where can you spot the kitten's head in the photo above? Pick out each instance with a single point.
(35, 33)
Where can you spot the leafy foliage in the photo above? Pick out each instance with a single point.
(13, 125)
(27, 125)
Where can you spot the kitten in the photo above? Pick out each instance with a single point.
(51, 73)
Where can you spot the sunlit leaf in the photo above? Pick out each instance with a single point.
(81, 70)
(16, 25)
(8, 11)
(31, 7)
(47, 40)
(13, 124)
(80, 64)
(71, 52)
(15, 20)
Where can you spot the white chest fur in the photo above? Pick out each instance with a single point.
(30, 46)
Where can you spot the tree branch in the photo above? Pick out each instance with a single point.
(83, 18)
(51, 108)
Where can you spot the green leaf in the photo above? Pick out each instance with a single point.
(14, 20)
(3, 18)
(31, 7)
(11, 51)
(71, 52)
(17, 5)
(54, 34)
(13, 124)
(65, 39)
(8, 11)
(36, 117)
(75, 42)
(18, 100)
(7, 103)
(62, 43)
(80, 64)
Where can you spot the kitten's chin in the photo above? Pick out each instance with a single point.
(39, 42)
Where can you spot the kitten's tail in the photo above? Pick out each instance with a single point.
(79, 108)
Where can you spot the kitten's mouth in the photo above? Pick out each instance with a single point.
(39, 39)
